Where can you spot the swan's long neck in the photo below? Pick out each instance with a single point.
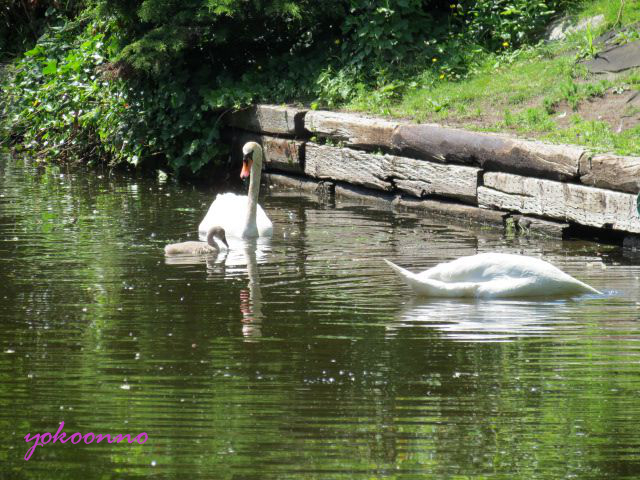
(211, 241)
(251, 227)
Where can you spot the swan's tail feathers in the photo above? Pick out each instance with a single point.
(429, 287)
(589, 288)
(409, 278)
(405, 274)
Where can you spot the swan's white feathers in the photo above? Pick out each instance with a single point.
(240, 215)
(229, 210)
(493, 275)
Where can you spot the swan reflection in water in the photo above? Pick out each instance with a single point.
(251, 297)
(242, 261)
(484, 320)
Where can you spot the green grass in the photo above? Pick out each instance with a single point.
(598, 136)
(610, 9)
(519, 91)
(494, 87)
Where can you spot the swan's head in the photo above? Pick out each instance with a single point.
(251, 154)
(219, 233)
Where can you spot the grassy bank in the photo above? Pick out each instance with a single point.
(535, 91)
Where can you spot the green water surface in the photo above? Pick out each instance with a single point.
(300, 357)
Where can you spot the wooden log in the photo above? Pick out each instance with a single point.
(365, 195)
(611, 171)
(279, 154)
(352, 166)
(422, 178)
(588, 206)
(538, 227)
(289, 181)
(353, 130)
(438, 208)
(282, 154)
(416, 177)
(490, 151)
(466, 213)
(269, 119)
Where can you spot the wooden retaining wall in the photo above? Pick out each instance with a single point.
(480, 177)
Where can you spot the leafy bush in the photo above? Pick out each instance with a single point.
(22, 21)
(385, 32)
(57, 104)
(496, 23)
(132, 80)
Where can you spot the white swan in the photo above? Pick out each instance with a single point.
(240, 215)
(199, 248)
(492, 275)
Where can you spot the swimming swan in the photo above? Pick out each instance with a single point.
(199, 248)
(492, 275)
(240, 215)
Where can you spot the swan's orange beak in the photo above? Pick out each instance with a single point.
(247, 161)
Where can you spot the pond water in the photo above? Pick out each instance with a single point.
(302, 357)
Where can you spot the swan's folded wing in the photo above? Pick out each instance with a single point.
(228, 210)
(506, 287)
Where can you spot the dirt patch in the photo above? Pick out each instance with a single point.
(620, 110)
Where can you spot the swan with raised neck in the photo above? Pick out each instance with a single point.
(240, 215)
(252, 168)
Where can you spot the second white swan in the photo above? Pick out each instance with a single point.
(493, 275)
(240, 215)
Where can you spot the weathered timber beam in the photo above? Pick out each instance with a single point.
(346, 165)
(416, 177)
(274, 119)
(611, 171)
(364, 195)
(279, 154)
(422, 178)
(489, 151)
(298, 183)
(352, 130)
(457, 211)
(588, 206)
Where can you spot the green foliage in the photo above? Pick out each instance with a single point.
(598, 135)
(57, 105)
(22, 22)
(495, 23)
(532, 119)
(233, 36)
(574, 93)
(587, 48)
(66, 102)
(385, 32)
(150, 79)
(132, 80)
